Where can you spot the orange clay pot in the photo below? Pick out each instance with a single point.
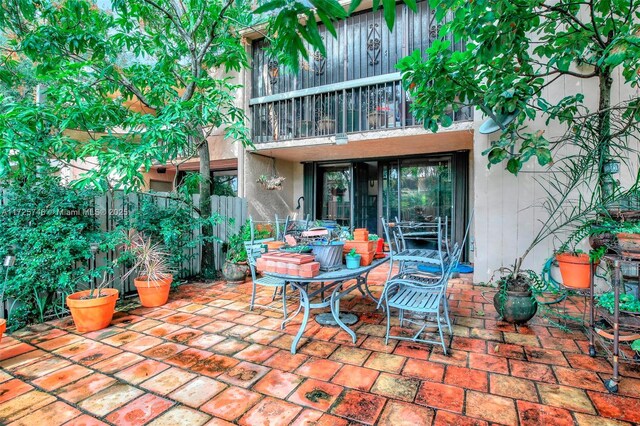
(3, 328)
(153, 293)
(575, 270)
(92, 314)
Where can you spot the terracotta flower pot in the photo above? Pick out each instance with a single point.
(575, 270)
(629, 244)
(3, 327)
(92, 314)
(153, 293)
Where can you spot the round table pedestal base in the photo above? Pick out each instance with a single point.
(327, 319)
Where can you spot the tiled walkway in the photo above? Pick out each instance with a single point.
(204, 359)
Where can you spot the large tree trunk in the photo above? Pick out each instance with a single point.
(207, 264)
(606, 181)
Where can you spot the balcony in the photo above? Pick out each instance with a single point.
(355, 88)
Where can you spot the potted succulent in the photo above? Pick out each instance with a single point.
(154, 277)
(353, 259)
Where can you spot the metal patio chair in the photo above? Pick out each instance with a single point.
(423, 295)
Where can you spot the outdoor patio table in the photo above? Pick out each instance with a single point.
(334, 281)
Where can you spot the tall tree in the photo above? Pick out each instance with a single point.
(143, 83)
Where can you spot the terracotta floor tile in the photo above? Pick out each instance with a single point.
(163, 329)
(42, 368)
(249, 319)
(469, 344)
(513, 387)
(278, 384)
(425, 370)
(110, 399)
(144, 325)
(277, 412)
(23, 405)
(191, 308)
(546, 356)
(62, 377)
(617, 407)
(197, 391)
(438, 395)
(589, 420)
(263, 337)
(12, 388)
(359, 406)
(142, 371)
(349, 355)
(217, 326)
(163, 351)
(321, 369)
(385, 362)
(184, 336)
(188, 357)
(446, 418)
(85, 420)
(565, 345)
(231, 403)
(117, 363)
(285, 360)
(122, 338)
(239, 331)
(395, 386)
(140, 411)
(256, 353)
(583, 379)
(181, 415)
(84, 388)
(142, 344)
(318, 349)
(466, 378)
(126, 320)
(492, 408)
(565, 397)
(628, 386)
(402, 414)
(214, 365)
(206, 340)
(506, 350)
(532, 371)
(167, 381)
(585, 362)
(15, 350)
(245, 374)
(229, 346)
(54, 414)
(490, 363)
(58, 342)
(316, 394)
(356, 377)
(453, 357)
(95, 354)
(79, 348)
(377, 344)
(535, 414)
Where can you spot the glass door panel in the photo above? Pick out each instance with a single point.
(335, 193)
(365, 213)
(425, 189)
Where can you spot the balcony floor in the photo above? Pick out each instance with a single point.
(205, 359)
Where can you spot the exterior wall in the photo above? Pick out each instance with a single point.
(508, 210)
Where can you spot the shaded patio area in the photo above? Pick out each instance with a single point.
(205, 359)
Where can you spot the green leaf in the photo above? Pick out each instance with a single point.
(389, 7)
(514, 165)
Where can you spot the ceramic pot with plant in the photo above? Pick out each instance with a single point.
(93, 309)
(353, 259)
(628, 237)
(153, 276)
(576, 265)
(3, 328)
(235, 268)
(515, 301)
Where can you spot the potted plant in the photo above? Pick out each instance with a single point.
(93, 309)
(271, 182)
(515, 301)
(325, 116)
(353, 259)
(575, 264)
(235, 268)
(154, 278)
(378, 117)
(635, 346)
(628, 238)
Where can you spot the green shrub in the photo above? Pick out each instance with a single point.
(49, 228)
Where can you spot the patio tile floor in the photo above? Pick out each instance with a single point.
(205, 359)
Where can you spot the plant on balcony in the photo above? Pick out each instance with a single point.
(325, 115)
(271, 182)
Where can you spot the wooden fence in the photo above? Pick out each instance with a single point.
(113, 208)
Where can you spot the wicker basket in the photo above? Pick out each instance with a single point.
(329, 255)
